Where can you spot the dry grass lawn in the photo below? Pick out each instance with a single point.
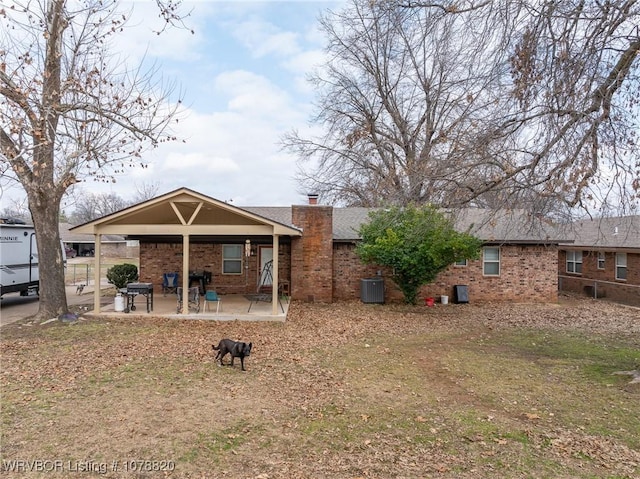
(348, 390)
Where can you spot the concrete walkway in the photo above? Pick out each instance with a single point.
(233, 307)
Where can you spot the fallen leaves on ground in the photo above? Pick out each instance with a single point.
(290, 384)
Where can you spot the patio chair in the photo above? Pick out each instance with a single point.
(193, 298)
(169, 283)
(212, 297)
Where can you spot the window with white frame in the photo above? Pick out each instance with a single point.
(621, 266)
(491, 261)
(232, 258)
(574, 262)
(600, 259)
(460, 263)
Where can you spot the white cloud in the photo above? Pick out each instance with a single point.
(302, 66)
(140, 39)
(233, 153)
(243, 73)
(306, 61)
(199, 162)
(251, 94)
(262, 38)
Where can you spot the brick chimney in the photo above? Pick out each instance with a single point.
(313, 198)
(312, 254)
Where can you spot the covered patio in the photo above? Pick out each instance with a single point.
(182, 221)
(233, 307)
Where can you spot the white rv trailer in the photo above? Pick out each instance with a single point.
(19, 254)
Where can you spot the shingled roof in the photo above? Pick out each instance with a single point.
(506, 226)
(68, 237)
(620, 232)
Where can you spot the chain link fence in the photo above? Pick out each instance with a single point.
(83, 273)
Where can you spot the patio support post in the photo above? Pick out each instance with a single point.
(185, 274)
(276, 282)
(97, 239)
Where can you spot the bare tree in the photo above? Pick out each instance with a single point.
(18, 209)
(396, 102)
(70, 110)
(145, 191)
(95, 206)
(573, 105)
(87, 206)
(474, 102)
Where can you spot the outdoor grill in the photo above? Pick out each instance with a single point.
(133, 290)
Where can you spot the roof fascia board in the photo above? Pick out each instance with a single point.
(602, 249)
(164, 229)
(494, 242)
(178, 196)
(130, 210)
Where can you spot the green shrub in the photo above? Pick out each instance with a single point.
(121, 274)
(416, 242)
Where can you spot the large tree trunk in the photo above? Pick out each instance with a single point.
(45, 208)
(68, 111)
(43, 191)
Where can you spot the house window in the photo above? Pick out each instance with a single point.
(232, 258)
(574, 262)
(600, 260)
(491, 261)
(461, 263)
(621, 266)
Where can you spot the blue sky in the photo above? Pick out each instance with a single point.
(242, 77)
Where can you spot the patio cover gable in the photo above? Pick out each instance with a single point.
(185, 211)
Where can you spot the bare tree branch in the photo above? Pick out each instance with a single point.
(461, 103)
(70, 110)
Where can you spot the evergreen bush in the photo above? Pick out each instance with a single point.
(121, 274)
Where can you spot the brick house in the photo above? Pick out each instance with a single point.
(518, 260)
(603, 260)
(84, 244)
(186, 231)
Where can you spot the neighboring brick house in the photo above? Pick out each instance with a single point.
(603, 261)
(113, 246)
(185, 231)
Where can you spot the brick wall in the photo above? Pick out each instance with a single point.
(528, 274)
(602, 283)
(319, 270)
(159, 258)
(312, 254)
(348, 271)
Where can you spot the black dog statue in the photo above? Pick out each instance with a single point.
(235, 348)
